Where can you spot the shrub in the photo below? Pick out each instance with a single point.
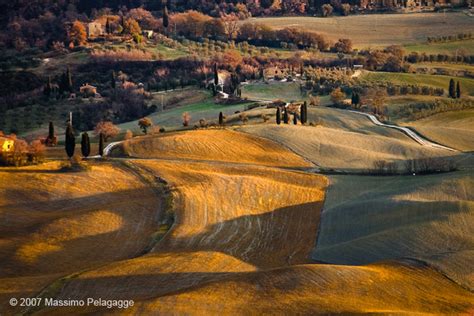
(203, 123)
(186, 118)
(244, 118)
(144, 124)
(108, 129)
(128, 135)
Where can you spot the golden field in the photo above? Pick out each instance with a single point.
(250, 217)
(345, 141)
(54, 224)
(213, 145)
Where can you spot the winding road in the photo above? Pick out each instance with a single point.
(416, 137)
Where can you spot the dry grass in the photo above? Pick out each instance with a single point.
(384, 288)
(214, 145)
(454, 129)
(430, 218)
(54, 223)
(377, 30)
(241, 242)
(229, 219)
(344, 141)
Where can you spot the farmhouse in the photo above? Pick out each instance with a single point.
(148, 33)
(6, 144)
(88, 90)
(95, 29)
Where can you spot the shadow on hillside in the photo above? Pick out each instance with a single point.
(281, 237)
(299, 284)
(133, 216)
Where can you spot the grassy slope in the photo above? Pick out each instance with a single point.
(344, 141)
(430, 218)
(455, 129)
(447, 66)
(272, 91)
(442, 48)
(379, 29)
(216, 145)
(198, 103)
(435, 81)
(53, 223)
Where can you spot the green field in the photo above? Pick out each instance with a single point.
(172, 118)
(446, 66)
(442, 48)
(435, 81)
(377, 30)
(286, 91)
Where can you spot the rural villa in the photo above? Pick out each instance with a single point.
(6, 144)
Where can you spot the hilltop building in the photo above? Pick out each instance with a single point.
(95, 29)
(6, 144)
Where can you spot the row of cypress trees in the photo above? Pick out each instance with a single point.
(70, 143)
(454, 89)
(286, 118)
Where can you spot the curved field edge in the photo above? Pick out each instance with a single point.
(211, 145)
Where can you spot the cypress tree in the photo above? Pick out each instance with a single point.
(295, 119)
(278, 116)
(113, 80)
(48, 88)
(70, 143)
(166, 20)
(68, 80)
(221, 119)
(108, 28)
(458, 90)
(101, 144)
(452, 89)
(304, 113)
(85, 145)
(216, 75)
(51, 131)
(285, 117)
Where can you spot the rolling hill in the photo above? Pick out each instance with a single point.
(428, 218)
